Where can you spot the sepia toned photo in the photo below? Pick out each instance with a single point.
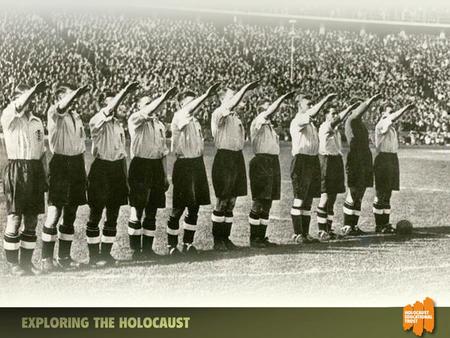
(224, 153)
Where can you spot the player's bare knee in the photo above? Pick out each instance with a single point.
(323, 200)
(53, 216)
(297, 203)
(134, 215)
(13, 223)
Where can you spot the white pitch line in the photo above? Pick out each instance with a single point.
(315, 271)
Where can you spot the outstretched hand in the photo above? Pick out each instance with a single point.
(375, 97)
(132, 86)
(354, 105)
(213, 89)
(170, 93)
(289, 95)
(84, 89)
(331, 96)
(40, 87)
(253, 85)
(410, 106)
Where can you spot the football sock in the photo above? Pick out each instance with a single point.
(228, 224)
(378, 214)
(135, 235)
(306, 219)
(264, 223)
(148, 235)
(11, 245)
(49, 236)
(218, 226)
(27, 246)
(65, 239)
(322, 218)
(255, 222)
(172, 232)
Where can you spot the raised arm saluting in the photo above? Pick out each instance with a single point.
(386, 166)
(190, 183)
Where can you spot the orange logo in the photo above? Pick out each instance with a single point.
(419, 317)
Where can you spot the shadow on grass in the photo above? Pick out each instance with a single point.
(354, 244)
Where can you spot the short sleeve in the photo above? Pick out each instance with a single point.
(384, 124)
(300, 122)
(9, 114)
(136, 119)
(98, 120)
(181, 119)
(257, 123)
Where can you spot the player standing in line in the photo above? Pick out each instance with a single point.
(67, 178)
(332, 170)
(305, 167)
(265, 176)
(24, 179)
(228, 171)
(147, 175)
(190, 183)
(359, 167)
(107, 179)
(386, 167)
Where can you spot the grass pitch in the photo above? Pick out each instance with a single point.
(373, 270)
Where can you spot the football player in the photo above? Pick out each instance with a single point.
(107, 179)
(67, 177)
(265, 177)
(190, 183)
(359, 167)
(147, 175)
(305, 167)
(228, 172)
(386, 167)
(24, 179)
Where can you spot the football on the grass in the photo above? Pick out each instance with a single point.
(404, 227)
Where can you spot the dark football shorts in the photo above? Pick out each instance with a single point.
(387, 172)
(359, 168)
(332, 174)
(190, 183)
(228, 174)
(146, 181)
(107, 184)
(265, 177)
(305, 175)
(67, 180)
(24, 186)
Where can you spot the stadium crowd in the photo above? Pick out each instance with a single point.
(108, 50)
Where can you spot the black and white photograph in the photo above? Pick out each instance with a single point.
(224, 153)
